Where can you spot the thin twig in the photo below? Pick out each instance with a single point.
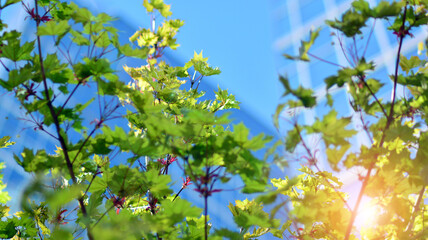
(355, 50)
(66, 56)
(206, 211)
(176, 195)
(343, 50)
(416, 209)
(7, 69)
(374, 96)
(84, 142)
(69, 97)
(316, 166)
(368, 39)
(326, 61)
(90, 183)
(397, 62)
(99, 219)
(365, 127)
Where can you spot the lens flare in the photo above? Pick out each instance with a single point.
(367, 215)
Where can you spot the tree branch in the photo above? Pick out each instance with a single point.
(374, 96)
(56, 123)
(316, 166)
(326, 61)
(416, 209)
(388, 123)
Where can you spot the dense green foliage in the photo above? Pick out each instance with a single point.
(111, 183)
(391, 165)
(106, 182)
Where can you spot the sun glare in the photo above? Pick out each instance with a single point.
(367, 215)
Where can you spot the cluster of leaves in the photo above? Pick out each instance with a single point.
(116, 183)
(111, 183)
(392, 165)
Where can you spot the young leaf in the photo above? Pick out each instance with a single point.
(351, 23)
(15, 52)
(53, 28)
(408, 64)
(305, 46)
(387, 9)
(305, 95)
(4, 142)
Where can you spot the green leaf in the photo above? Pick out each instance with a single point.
(158, 184)
(333, 129)
(198, 57)
(257, 142)
(204, 69)
(37, 162)
(16, 77)
(4, 142)
(250, 213)
(8, 229)
(386, 9)
(374, 84)
(228, 234)
(404, 132)
(253, 186)
(137, 53)
(305, 95)
(240, 133)
(363, 7)
(53, 28)
(104, 18)
(80, 107)
(159, 5)
(147, 38)
(98, 185)
(278, 111)
(149, 7)
(292, 139)
(225, 100)
(63, 89)
(408, 64)
(329, 100)
(60, 198)
(124, 181)
(334, 155)
(339, 80)
(79, 39)
(95, 200)
(15, 52)
(62, 234)
(82, 15)
(179, 209)
(351, 23)
(305, 46)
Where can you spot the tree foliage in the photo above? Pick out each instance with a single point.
(116, 182)
(105, 182)
(391, 164)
